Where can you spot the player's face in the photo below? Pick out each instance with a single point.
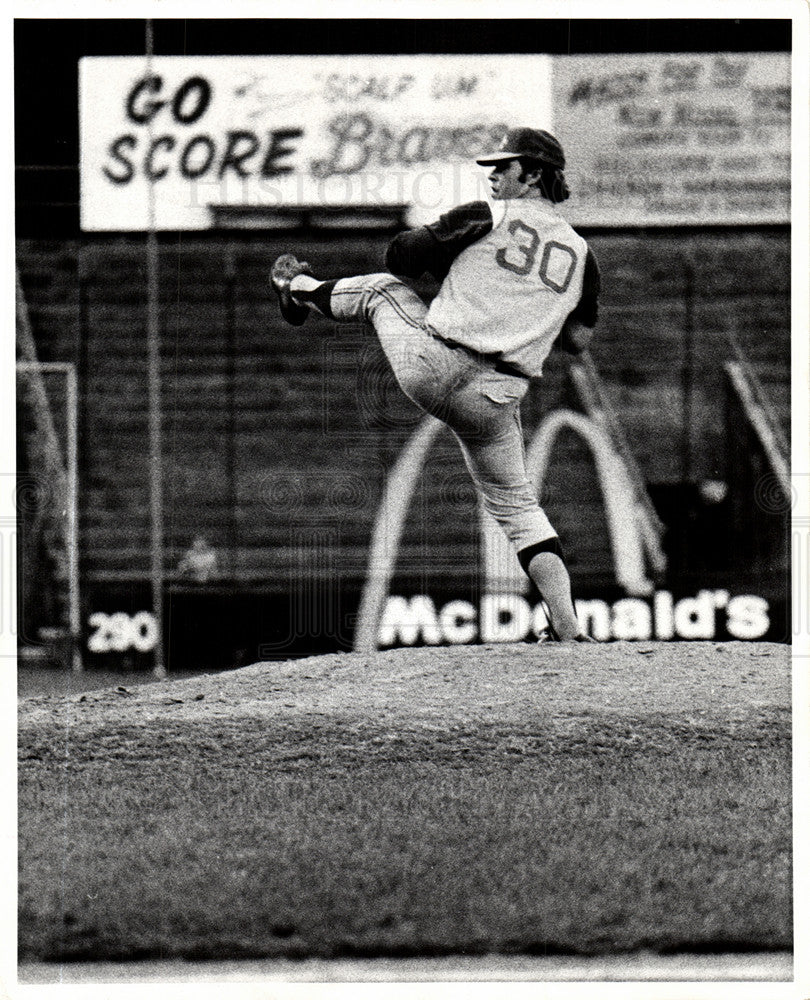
(504, 179)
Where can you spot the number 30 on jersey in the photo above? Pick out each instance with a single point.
(557, 262)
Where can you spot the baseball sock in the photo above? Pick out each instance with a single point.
(307, 290)
(551, 578)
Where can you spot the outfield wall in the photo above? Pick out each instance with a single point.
(277, 442)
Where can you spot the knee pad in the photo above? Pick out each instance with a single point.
(526, 555)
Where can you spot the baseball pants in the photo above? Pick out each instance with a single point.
(478, 403)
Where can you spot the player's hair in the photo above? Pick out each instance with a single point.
(551, 183)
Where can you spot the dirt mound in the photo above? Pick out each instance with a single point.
(440, 687)
(537, 799)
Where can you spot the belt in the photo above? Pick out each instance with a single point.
(504, 368)
(495, 360)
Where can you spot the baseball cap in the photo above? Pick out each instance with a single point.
(536, 143)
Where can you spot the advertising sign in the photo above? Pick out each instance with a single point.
(166, 138)
(710, 614)
(675, 139)
(654, 139)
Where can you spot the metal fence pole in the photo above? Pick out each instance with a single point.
(155, 410)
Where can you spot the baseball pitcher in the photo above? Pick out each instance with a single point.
(513, 282)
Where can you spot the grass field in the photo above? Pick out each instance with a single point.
(511, 799)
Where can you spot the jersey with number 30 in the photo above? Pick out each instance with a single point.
(510, 292)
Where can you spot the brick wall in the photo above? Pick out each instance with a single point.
(277, 441)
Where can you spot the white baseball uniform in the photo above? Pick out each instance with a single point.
(509, 293)
(508, 288)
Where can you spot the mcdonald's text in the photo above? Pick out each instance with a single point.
(416, 620)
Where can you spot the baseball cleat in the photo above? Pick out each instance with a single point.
(546, 635)
(549, 635)
(284, 270)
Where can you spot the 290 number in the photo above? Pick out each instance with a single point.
(555, 270)
(118, 632)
